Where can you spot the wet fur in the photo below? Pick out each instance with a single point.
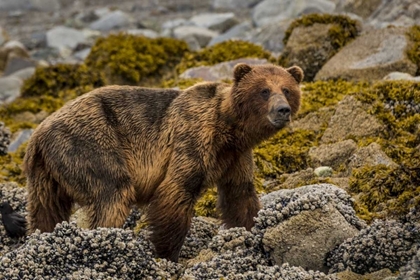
(119, 146)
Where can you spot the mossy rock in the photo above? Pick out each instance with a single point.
(313, 39)
(53, 80)
(413, 52)
(11, 166)
(221, 52)
(136, 59)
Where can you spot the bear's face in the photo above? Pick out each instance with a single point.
(267, 95)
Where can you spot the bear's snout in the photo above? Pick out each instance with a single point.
(283, 111)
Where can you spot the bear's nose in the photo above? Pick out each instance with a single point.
(284, 111)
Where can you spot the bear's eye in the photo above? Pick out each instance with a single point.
(265, 93)
(286, 92)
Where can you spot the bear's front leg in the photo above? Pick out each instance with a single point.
(172, 207)
(237, 197)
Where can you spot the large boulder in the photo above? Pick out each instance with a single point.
(271, 36)
(64, 37)
(269, 11)
(302, 225)
(370, 57)
(350, 118)
(333, 154)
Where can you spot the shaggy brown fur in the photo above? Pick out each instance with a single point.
(119, 146)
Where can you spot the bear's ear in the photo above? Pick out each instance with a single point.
(240, 70)
(296, 73)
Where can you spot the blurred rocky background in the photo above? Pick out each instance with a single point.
(340, 188)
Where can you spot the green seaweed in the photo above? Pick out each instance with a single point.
(413, 52)
(221, 52)
(133, 59)
(11, 169)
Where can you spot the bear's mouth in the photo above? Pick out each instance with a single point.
(278, 122)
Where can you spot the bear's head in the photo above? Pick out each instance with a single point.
(266, 97)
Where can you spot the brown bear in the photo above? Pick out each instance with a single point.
(119, 146)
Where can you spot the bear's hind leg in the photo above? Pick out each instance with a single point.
(48, 203)
(169, 218)
(109, 212)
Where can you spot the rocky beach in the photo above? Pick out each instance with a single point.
(339, 188)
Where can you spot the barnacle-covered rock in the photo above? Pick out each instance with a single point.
(4, 139)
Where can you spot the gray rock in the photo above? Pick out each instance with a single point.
(371, 56)
(201, 34)
(111, 20)
(170, 24)
(9, 89)
(143, 32)
(395, 76)
(234, 4)
(219, 22)
(397, 13)
(370, 155)
(12, 49)
(333, 154)
(64, 37)
(305, 239)
(219, 71)
(269, 11)
(82, 54)
(271, 35)
(45, 5)
(192, 42)
(14, 5)
(16, 63)
(350, 118)
(21, 138)
(24, 74)
(323, 171)
(238, 31)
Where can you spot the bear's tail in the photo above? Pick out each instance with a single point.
(48, 203)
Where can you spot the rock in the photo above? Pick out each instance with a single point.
(3, 36)
(309, 47)
(14, 5)
(370, 155)
(314, 121)
(4, 139)
(64, 37)
(323, 171)
(215, 21)
(333, 154)
(377, 275)
(385, 244)
(36, 40)
(9, 89)
(234, 4)
(238, 31)
(192, 42)
(305, 239)
(358, 7)
(296, 179)
(371, 56)
(22, 137)
(143, 32)
(45, 5)
(202, 35)
(24, 74)
(411, 271)
(111, 20)
(82, 54)
(219, 71)
(394, 76)
(350, 119)
(269, 11)
(171, 24)
(397, 13)
(271, 35)
(16, 63)
(11, 49)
